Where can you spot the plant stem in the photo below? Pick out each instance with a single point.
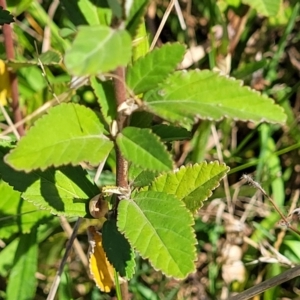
(120, 94)
(122, 164)
(9, 49)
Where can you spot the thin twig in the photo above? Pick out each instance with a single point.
(162, 23)
(255, 184)
(62, 98)
(47, 31)
(248, 209)
(29, 31)
(220, 157)
(282, 233)
(239, 30)
(44, 74)
(9, 122)
(261, 287)
(56, 281)
(68, 230)
(100, 169)
(180, 15)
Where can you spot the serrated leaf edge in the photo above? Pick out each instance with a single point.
(197, 116)
(147, 257)
(164, 146)
(132, 255)
(158, 49)
(210, 191)
(55, 165)
(34, 61)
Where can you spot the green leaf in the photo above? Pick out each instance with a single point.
(135, 18)
(87, 12)
(49, 58)
(116, 7)
(159, 227)
(5, 16)
(74, 13)
(66, 284)
(140, 43)
(294, 247)
(7, 257)
(169, 133)
(264, 7)
(63, 192)
(141, 119)
(191, 184)
(22, 280)
(246, 70)
(69, 133)
(17, 215)
(148, 71)
(140, 177)
(105, 93)
(16, 7)
(144, 149)
(185, 96)
(118, 250)
(200, 141)
(98, 49)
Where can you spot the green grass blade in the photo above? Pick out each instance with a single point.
(22, 280)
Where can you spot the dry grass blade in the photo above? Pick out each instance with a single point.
(56, 281)
(162, 24)
(275, 281)
(255, 184)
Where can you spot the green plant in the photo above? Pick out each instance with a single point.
(145, 104)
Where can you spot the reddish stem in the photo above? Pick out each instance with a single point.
(9, 49)
(122, 164)
(120, 94)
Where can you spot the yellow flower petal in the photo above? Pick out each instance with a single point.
(5, 91)
(101, 270)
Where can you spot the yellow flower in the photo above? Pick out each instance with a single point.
(5, 91)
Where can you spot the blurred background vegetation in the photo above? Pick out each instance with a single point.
(241, 242)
